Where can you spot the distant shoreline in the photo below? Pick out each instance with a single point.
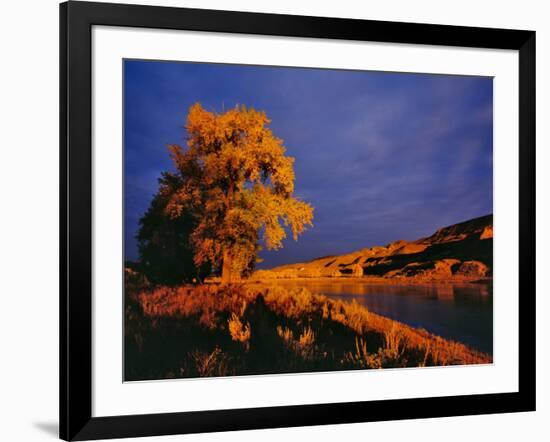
(362, 279)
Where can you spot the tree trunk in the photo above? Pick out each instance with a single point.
(227, 268)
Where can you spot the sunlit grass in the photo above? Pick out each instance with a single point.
(212, 330)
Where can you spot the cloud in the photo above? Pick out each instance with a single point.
(381, 156)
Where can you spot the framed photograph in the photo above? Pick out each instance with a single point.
(272, 221)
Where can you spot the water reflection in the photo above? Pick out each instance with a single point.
(463, 312)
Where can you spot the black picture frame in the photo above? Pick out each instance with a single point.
(76, 21)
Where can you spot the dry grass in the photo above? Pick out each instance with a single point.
(257, 328)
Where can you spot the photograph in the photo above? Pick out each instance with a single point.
(275, 221)
(282, 219)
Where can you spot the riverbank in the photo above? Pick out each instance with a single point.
(368, 280)
(374, 280)
(252, 328)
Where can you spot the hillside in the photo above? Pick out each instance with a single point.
(462, 251)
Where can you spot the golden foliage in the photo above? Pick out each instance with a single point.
(239, 332)
(235, 176)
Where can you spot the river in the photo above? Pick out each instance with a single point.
(462, 312)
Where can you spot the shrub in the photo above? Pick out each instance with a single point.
(239, 332)
(212, 363)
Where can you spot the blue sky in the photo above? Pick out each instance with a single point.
(381, 156)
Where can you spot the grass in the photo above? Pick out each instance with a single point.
(211, 330)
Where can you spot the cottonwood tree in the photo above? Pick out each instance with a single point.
(235, 178)
(165, 253)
